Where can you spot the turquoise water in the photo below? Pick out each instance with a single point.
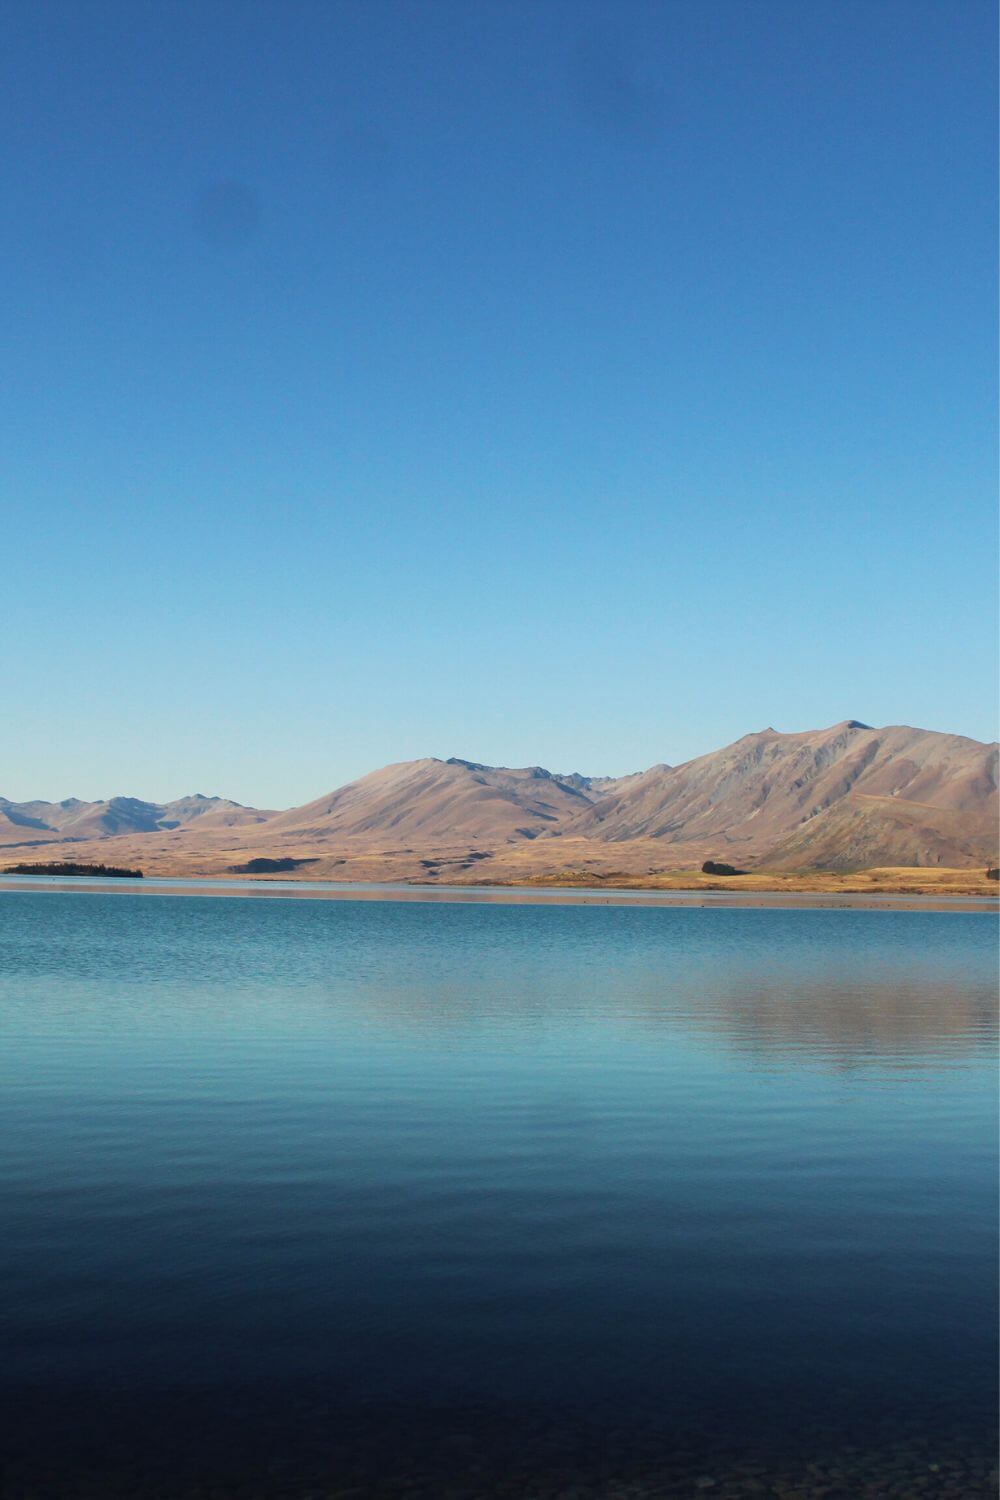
(454, 1196)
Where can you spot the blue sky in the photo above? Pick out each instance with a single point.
(576, 384)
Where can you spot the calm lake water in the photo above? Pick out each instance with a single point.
(320, 1198)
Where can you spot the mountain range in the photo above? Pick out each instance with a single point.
(845, 798)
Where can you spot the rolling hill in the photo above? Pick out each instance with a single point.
(439, 801)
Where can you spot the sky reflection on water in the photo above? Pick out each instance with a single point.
(620, 1168)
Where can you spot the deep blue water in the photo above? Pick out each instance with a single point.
(292, 1191)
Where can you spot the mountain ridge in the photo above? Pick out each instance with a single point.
(845, 797)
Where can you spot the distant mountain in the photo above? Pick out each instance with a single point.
(209, 812)
(73, 819)
(848, 797)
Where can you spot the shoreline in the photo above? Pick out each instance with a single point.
(507, 895)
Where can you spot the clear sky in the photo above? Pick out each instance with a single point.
(562, 383)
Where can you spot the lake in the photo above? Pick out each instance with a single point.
(363, 1198)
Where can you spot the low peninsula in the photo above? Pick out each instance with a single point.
(66, 867)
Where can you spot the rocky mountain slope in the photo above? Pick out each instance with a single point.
(827, 797)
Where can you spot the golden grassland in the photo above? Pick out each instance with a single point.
(566, 863)
(888, 880)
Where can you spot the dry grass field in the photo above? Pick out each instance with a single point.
(899, 880)
(565, 863)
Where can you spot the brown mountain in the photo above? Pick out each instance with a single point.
(863, 831)
(830, 798)
(442, 802)
(845, 798)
